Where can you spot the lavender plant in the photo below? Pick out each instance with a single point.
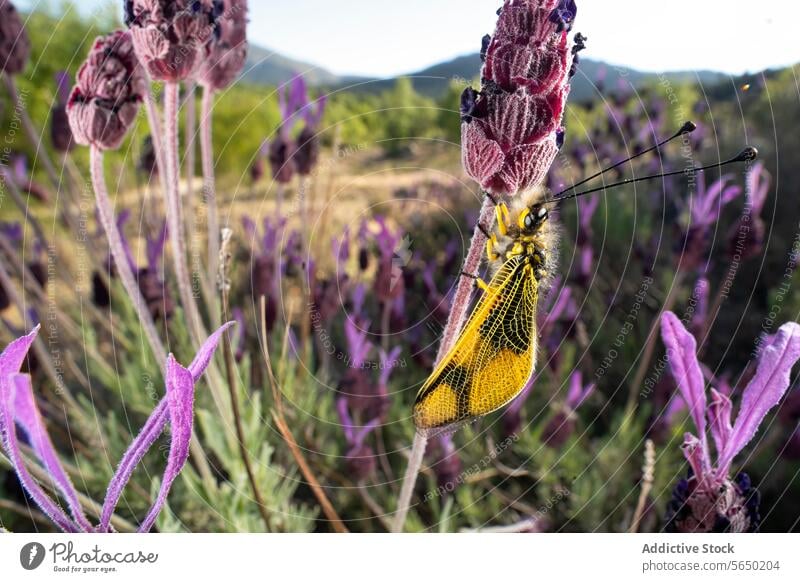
(18, 408)
(708, 500)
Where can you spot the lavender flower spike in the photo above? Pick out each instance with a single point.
(509, 130)
(708, 500)
(227, 52)
(171, 36)
(109, 88)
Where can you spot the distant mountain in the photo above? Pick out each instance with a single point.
(434, 80)
(267, 67)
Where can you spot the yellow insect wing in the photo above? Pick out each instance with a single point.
(439, 407)
(499, 381)
(492, 359)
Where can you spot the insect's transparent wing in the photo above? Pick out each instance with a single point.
(493, 356)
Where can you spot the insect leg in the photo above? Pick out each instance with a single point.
(479, 283)
(490, 245)
(503, 218)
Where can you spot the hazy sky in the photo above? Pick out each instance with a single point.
(387, 37)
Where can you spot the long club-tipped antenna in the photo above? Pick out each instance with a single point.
(748, 154)
(687, 127)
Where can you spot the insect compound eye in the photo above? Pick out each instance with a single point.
(525, 219)
(542, 214)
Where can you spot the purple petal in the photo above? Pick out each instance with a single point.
(345, 419)
(675, 405)
(155, 247)
(575, 386)
(20, 170)
(719, 419)
(122, 219)
(15, 353)
(362, 433)
(206, 352)
(180, 399)
(693, 451)
(388, 364)
(758, 183)
(559, 306)
(357, 342)
(587, 207)
(729, 194)
(586, 260)
(152, 429)
(578, 393)
(701, 292)
(250, 228)
(29, 419)
(299, 95)
(8, 436)
(358, 297)
(315, 118)
(682, 355)
(764, 391)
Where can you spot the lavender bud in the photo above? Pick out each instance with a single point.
(227, 52)
(171, 36)
(109, 89)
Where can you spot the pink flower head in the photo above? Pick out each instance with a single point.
(227, 52)
(171, 36)
(15, 47)
(511, 129)
(109, 89)
(709, 500)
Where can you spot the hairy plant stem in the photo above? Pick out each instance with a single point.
(189, 157)
(173, 204)
(105, 212)
(455, 321)
(174, 213)
(648, 475)
(209, 181)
